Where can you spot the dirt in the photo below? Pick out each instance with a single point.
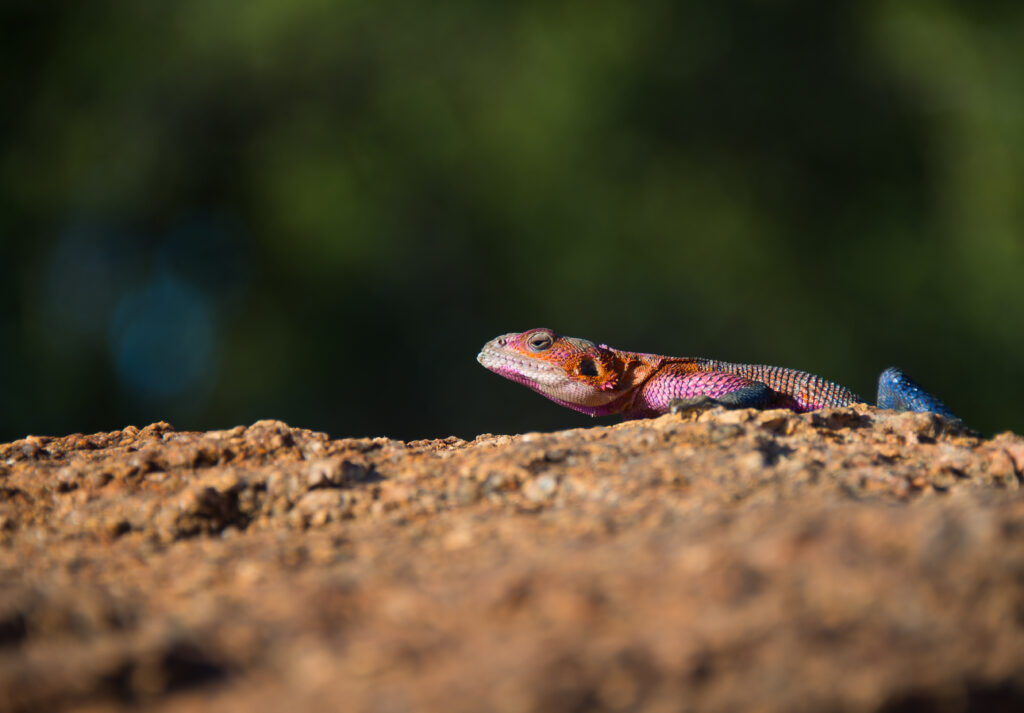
(845, 560)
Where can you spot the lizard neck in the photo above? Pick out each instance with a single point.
(635, 370)
(657, 369)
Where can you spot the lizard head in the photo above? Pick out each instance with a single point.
(572, 372)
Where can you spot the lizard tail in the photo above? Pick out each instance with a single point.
(898, 391)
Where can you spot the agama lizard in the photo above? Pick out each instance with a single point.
(599, 380)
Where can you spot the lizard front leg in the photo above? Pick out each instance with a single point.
(679, 392)
(756, 395)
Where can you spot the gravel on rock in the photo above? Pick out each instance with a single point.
(846, 560)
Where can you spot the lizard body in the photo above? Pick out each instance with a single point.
(598, 380)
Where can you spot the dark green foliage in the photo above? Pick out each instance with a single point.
(335, 204)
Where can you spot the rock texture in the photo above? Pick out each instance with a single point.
(845, 560)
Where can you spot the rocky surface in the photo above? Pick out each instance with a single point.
(846, 560)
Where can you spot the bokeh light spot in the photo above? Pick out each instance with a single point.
(162, 339)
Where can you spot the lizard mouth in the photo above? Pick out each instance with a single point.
(522, 370)
(549, 380)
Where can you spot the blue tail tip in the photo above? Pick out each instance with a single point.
(898, 391)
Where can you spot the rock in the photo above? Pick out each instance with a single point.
(851, 559)
(319, 507)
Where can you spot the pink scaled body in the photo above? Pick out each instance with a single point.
(598, 380)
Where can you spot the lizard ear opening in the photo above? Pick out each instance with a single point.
(588, 367)
(607, 368)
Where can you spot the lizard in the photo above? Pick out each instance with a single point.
(598, 380)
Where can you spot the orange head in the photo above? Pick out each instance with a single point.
(572, 372)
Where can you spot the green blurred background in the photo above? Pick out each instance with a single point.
(318, 211)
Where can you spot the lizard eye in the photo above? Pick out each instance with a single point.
(540, 341)
(588, 367)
